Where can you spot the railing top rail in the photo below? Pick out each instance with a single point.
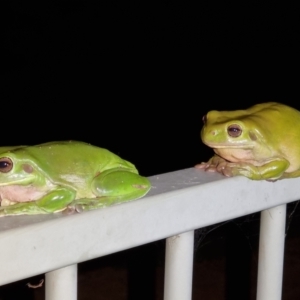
(178, 202)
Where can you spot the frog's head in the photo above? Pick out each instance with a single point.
(14, 171)
(228, 129)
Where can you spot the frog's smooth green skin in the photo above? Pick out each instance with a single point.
(55, 176)
(262, 142)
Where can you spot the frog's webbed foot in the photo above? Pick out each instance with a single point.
(206, 167)
(222, 166)
(215, 164)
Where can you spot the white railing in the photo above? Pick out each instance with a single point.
(178, 203)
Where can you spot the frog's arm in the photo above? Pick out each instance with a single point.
(114, 186)
(54, 201)
(291, 175)
(271, 170)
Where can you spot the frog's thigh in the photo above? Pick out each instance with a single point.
(120, 183)
(111, 187)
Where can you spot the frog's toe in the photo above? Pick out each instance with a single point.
(70, 210)
(227, 171)
(221, 166)
(73, 208)
(203, 165)
(211, 169)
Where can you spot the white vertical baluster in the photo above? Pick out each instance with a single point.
(271, 252)
(179, 267)
(61, 284)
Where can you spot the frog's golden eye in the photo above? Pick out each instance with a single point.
(234, 130)
(204, 119)
(6, 164)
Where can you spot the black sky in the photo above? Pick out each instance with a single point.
(137, 77)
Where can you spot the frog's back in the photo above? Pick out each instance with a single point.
(277, 118)
(282, 125)
(274, 107)
(64, 158)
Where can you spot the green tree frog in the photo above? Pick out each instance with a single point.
(71, 175)
(262, 142)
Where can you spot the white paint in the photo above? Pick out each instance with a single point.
(179, 267)
(271, 252)
(178, 202)
(62, 284)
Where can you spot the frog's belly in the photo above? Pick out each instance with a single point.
(239, 155)
(246, 156)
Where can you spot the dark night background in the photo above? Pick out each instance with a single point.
(136, 77)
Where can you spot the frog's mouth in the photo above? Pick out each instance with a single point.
(229, 146)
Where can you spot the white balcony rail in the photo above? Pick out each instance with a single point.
(178, 203)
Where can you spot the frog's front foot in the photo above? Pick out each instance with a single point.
(225, 168)
(215, 164)
(227, 171)
(206, 166)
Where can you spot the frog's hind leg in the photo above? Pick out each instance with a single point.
(114, 186)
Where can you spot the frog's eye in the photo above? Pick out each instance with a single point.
(6, 164)
(234, 130)
(204, 119)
